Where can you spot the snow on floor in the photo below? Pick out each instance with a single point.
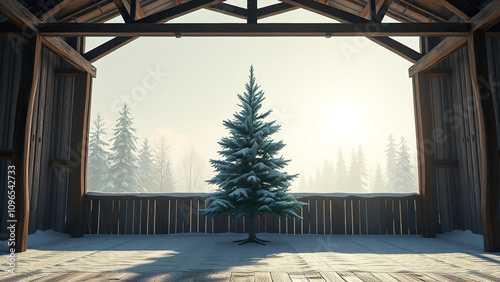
(455, 252)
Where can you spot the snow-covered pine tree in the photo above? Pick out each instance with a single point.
(390, 169)
(123, 169)
(250, 179)
(341, 175)
(404, 179)
(98, 167)
(146, 168)
(164, 176)
(378, 180)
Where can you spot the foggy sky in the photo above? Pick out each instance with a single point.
(326, 93)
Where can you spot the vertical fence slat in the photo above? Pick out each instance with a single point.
(320, 216)
(94, 220)
(122, 216)
(202, 218)
(151, 218)
(404, 217)
(307, 220)
(172, 215)
(162, 214)
(348, 216)
(328, 216)
(373, 206)
(363, 216)
(116, 213)
(338, 216)
(356, 222)
(137, 216)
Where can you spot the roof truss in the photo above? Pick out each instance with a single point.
(366, 22)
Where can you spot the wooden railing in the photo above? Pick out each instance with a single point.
(170, 213)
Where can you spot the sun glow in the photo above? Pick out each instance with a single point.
(344, 120)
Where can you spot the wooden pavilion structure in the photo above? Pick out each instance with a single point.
(45, 98)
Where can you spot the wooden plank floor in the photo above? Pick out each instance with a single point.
(250, 276)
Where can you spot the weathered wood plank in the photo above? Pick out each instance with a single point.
(490, 180)
(30, 72)
(280, 277)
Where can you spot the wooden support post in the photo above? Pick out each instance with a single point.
(426, 151)
(79, 145)
(490, 184)
(373, 10)
(30, 73)
(251, 11)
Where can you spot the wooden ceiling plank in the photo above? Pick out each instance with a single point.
(389, 43)
(178, 11)
(229, 10)
(274, 9)
(454, 8)
(63, 4)
(160, 17)
(327, 11)
(484, 19)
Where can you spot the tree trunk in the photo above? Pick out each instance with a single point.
(251, 233)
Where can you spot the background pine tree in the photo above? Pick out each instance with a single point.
(146, 168)
(164, 176)
(390, 169)
(404, 178)
(249, 177)
(123, 169)
(362, 170)
(98, 167)
(378, 181)
(341, 174)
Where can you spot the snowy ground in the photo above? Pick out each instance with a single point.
(455, 252)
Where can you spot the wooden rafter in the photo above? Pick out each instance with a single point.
(484, 19)
(229, 10)
(123, 11)
(225, 29)
(342, 16)
(386, 5)
(274, 9)
(160, 17)
(27, 21)
(251, 11)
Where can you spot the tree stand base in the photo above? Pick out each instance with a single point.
(252, 240)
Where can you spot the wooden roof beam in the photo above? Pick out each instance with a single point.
(342, 16)
(229, 10)
(160, 17)
(274, 9)
(123, 11)
(379, 30)
(484, 19)
(19, 15)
